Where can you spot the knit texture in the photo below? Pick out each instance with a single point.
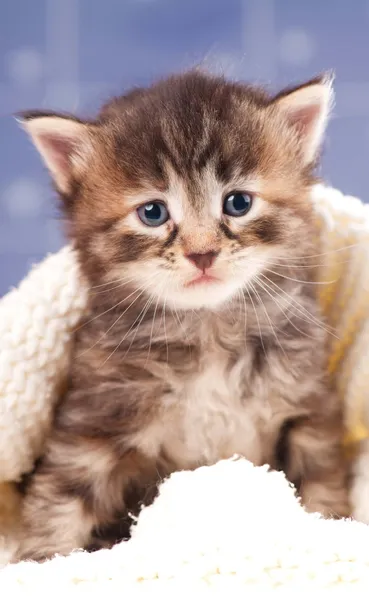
(344, 242)
(248, 528)
(36, 323)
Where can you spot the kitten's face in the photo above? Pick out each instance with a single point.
(190, 189)
(199, 243)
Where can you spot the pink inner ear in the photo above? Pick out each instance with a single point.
(57, 151)
(304, 117)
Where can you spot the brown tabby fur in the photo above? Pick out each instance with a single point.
(155, 386)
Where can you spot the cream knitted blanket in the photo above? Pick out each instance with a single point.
(221, 528)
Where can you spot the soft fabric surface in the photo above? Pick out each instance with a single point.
(36, 324)
(216, 531)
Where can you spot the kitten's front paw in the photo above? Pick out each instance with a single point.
(39, 549)
(332, 504)
(32, 552)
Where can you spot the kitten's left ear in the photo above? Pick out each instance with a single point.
(307, 109)
(63, 141)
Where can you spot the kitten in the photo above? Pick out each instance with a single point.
(187, 203)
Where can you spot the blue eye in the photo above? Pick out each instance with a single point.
(153, 214)
(237, 204)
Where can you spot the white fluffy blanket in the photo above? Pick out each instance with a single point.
(224, 530)
(220, 528)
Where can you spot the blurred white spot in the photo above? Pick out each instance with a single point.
(24, 198)
(25, 66)
(296, 47)
(63, 96)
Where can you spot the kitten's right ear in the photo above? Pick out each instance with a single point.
(306, 108)
(63, 142)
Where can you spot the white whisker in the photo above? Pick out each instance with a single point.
(145, 309)
(299, 307)
(241, 298)
(245, 318)
(116, 287)
(105, 311)
(159, 294)
(127, 333)
(152, 329)
(284, 312)
(295, 265)
(268, 317)
(93, 287)
(165, 328)
(304, 257)
(115, 322)
(258, 322)
(141, 289)
(300, 280)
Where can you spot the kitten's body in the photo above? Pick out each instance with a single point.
(167, 377)
(202, 385)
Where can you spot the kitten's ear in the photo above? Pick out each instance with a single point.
(307, 109)
(63, 142)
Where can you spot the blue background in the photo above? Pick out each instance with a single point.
(72, 54)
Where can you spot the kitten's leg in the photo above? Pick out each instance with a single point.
(77, 487)
(316, 460)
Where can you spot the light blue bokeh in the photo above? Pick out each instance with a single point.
(72, 54)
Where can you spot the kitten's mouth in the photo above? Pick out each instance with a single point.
(201, 280)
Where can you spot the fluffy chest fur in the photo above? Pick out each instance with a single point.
(194, 393)
(229, 398)
(207, 417)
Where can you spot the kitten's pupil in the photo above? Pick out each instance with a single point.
(152, 210)
(153, 214)
(237, 204)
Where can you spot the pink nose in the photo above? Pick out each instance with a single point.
(202, 261)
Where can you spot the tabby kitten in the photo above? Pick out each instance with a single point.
(187, 204)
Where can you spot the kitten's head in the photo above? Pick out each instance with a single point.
(190, 188)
